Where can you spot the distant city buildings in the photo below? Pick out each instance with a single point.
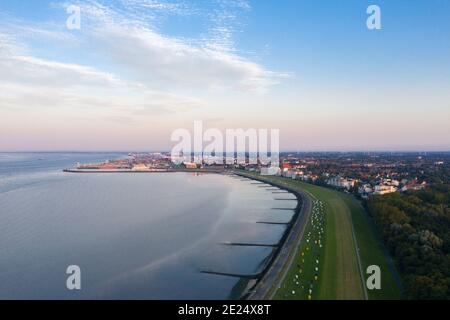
(365, 174)
(362, 174)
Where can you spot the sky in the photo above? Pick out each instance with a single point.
(136, 70)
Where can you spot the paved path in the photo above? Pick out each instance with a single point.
(361, 272)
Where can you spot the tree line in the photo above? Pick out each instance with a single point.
(415, 227)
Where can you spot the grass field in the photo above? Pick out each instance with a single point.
(303, 279)
(371, 251)
(339, 276)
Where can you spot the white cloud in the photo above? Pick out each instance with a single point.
(209, 62)
(30, 82)
(35, 71)
(168, 7)
(157, 67)
(155, 58)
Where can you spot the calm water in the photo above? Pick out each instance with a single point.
(144, 236)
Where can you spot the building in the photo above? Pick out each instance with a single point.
(270, 171)
(384, 189)
(190, 165)
(365, 189)
(340, 182)
(414, 186)
(287, 173)
(391, 182)
(140, 167)
(298, 175)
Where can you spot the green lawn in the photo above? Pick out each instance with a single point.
(371, 252)
(303, 279)
(339, 276)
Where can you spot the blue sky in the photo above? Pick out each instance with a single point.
(139, 69)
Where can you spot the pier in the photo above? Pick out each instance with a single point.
(235, 275)
(275, 223)
(241, 244)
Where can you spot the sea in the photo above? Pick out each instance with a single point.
(132, 235)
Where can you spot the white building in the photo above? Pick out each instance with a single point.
(270, 171)
(384, 189)
(414, 186)
(298, 175)
(391, 182)
(341, 182)
(365, 189)
(190, 165)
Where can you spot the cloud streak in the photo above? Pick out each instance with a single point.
(155, 58)
(158, 67)
(30, 82)
(211, 62)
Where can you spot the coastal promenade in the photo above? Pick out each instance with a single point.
(283, 258)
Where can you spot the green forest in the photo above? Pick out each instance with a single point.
(415, 227)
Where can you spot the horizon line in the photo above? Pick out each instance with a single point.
(282, 151)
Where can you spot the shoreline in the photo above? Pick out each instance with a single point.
(283, 256)
(145, 171)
